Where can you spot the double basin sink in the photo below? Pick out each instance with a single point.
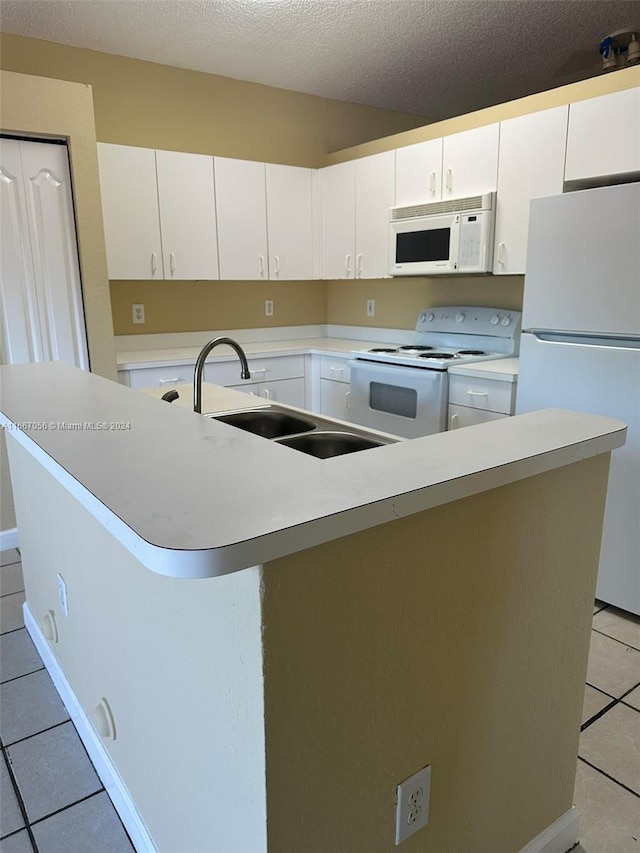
(310, 434)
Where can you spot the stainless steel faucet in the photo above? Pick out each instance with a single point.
(204, 352)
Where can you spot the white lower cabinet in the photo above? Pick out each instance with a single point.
(334, 397)
(287, 391)
(479, 400)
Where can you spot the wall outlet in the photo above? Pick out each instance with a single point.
(371, 307)
(412, 804)
(137, 313)
(268, 307)
(62, 595)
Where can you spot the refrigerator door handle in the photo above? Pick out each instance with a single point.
(585, 340)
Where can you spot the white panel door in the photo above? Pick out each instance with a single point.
(419, 173)
(583, 262)
(604, 136)
(375, 194)
(470, 162)
(242, 219)
(337, 219)
(21, 340)
(602, 381)
(130, 209)
(289, 222)
(531, 165)
(43, 317)
(187, 215)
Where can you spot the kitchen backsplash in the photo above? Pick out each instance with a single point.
(191, 306)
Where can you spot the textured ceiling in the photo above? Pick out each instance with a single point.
(434, 58)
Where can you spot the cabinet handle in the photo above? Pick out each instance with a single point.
(347, 265)
(173, 381)
(449, 179)
(333, 369)
(261, 264)
(501, 248)
(172, 262)
(255, 370)
(154, 263)
(478, 393)
(359, 265)
(453, 422)
(432, 182)
(347, 397)
(267, 394)
(276, 260)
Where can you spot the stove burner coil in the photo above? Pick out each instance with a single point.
(382, 349)
(443, 355)
(414, 348)
(471, 352)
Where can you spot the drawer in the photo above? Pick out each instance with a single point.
(462, 416)
(335, 368)
(161, 377)
(261, 369)
(490, 395)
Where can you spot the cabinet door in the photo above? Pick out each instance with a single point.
(337, 218)
(289, 222)
(375, 193)
(419, 173)
(531, 164)
(470, 162)
(187, 215)
(604, 136)
(334, 399)
(242, 219)
(130, 210)
(288, 391)
(461, 416)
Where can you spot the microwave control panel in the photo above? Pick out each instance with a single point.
(470, 246)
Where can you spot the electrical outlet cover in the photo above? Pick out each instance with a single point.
(412, 804)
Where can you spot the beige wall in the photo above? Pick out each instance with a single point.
(39, 106)
(457, 638)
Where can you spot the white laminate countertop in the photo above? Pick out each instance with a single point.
(503, 369)
(136, 359)
(193, 497)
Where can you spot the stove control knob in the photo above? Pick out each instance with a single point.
(506, 320)
(430, 317)
(460, 317)
(495, 319)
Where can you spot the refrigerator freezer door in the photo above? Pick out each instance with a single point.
(602, 380)
(583, 262)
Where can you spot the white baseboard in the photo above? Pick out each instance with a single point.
(105, 768)
(8, 539)
(560, 837)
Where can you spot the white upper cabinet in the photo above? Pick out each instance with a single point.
(338, 219)
(355, 201)
(289, 222)
(419, 173)
(130, 210)
(187, 215)
(604, 136)
(470, 162)
(242, 219)
(531, 165)
(375, 192)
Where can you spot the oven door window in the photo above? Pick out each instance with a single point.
(429, 245)
(393, 399)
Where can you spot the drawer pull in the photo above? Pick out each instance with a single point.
(337, 369)
(453, 421)
(255, 370)
(478, 393)
(173, 381)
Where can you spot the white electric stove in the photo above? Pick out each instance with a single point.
(404, 389)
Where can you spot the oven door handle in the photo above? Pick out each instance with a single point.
(426, 374)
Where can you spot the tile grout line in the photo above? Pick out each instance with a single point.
(18, 795)
(611, 778)
(622, 642)
(24, 675)
(101, 790)
(615, 700)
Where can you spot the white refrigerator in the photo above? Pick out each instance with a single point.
(580, 346)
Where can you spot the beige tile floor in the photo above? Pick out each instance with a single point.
(53, 802)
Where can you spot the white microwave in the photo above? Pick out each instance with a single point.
(443, 237)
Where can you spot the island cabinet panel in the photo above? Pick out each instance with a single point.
(187, 215)
(130, 210)
(531, 165)
(470, 162)
(242, 219)
(419, 173)
(337, 220)
(604, 136)
(289, 222)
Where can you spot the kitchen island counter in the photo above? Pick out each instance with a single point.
(193, 497)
